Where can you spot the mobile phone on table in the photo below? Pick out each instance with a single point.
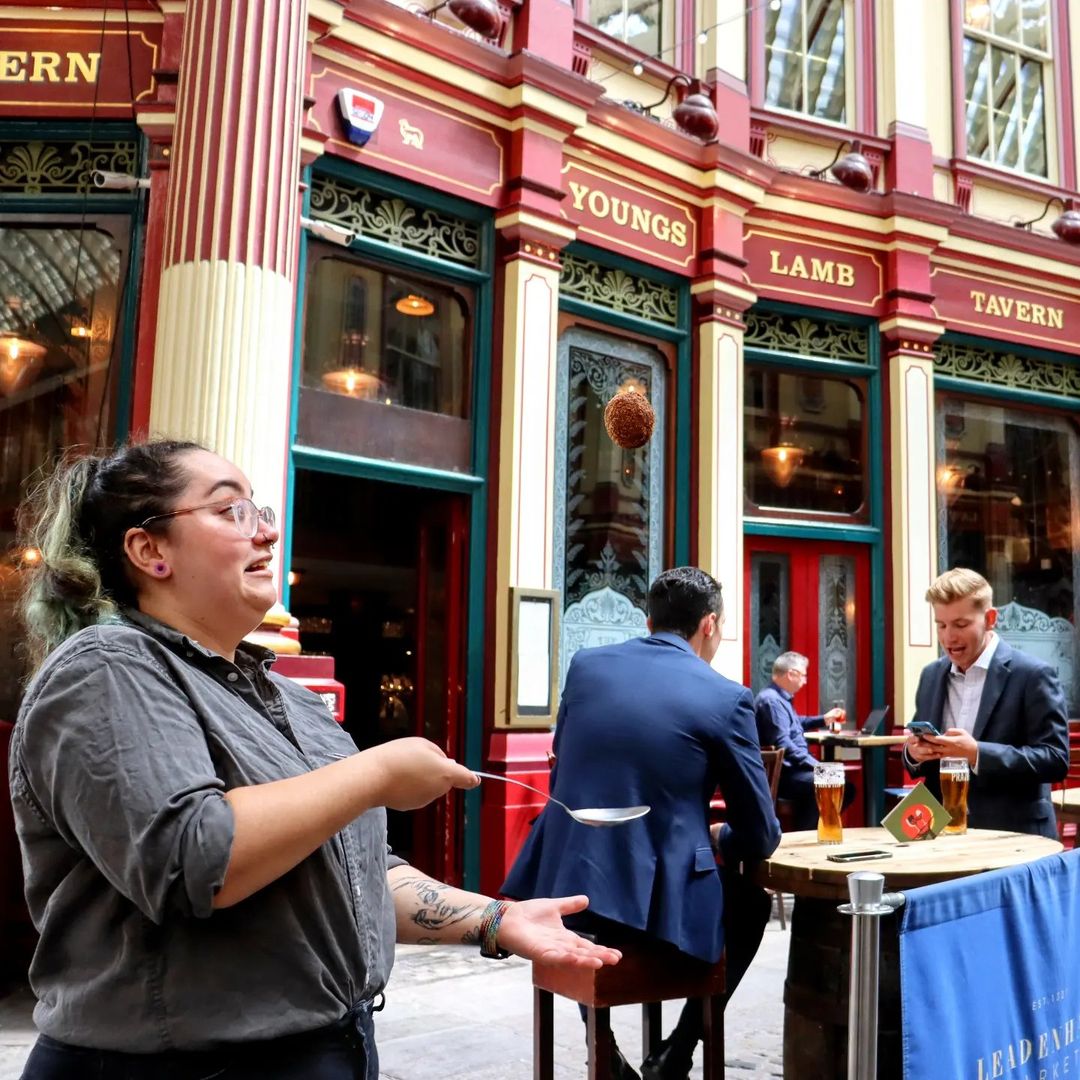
(922, 728)
(859, 856)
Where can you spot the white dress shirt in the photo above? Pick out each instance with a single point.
(965, 689)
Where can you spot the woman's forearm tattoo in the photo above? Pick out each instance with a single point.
(435, 912)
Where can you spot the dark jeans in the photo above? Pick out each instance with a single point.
(804, 813)
(343, 1051)
(746, 913)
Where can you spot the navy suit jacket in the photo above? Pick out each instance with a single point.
(1023, 738)
(647, 722)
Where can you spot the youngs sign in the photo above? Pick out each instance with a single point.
(640, 222)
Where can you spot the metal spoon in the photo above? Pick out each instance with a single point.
(609, 815)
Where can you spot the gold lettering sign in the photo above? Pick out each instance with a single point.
(830, 271)
(38, 67)
(599, 204)
(1006, 307)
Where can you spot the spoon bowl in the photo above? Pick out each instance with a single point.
(601, 817)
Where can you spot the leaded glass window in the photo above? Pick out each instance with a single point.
(609, 501)
(1006, 66)
(806, 56)
(637, 22)
(770, 603)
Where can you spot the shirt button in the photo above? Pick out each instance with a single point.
(232, 676)
(189, 652)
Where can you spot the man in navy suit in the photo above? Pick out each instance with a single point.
(649, 722)
(1000, 708)
(779, 725)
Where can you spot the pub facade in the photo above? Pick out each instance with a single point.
(396, 269)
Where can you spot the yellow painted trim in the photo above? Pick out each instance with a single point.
(408, 56)
(535, 221)
(1015, 259)
(24, 14)
(533, 97)
(721, 285)
(588, 157)
(352, 69)
(330, 13)
(529, 123)
(907, 322)
(146, 119)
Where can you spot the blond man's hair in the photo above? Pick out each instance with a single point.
(961, 584)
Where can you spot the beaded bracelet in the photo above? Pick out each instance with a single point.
(489, 930)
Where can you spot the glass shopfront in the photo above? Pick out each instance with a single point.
(62, 283)
(1008, 482)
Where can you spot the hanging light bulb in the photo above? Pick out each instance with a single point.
(20, 361)
(781, 461)
(703, 37)
(414, 305)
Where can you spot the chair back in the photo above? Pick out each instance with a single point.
(773, 758)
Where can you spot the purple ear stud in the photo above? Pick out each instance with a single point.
(160, 568)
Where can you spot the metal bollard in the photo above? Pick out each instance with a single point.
(868, 904)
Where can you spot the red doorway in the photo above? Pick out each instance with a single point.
(379, 583)
(811, 597)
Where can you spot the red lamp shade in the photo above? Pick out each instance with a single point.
(480, 15)
(853, 170)
(1067, 227)
(696, 116)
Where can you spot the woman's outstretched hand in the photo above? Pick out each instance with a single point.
(533, 929)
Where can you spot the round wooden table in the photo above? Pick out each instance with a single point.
(816, 989)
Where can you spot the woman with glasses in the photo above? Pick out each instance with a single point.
(204, 849)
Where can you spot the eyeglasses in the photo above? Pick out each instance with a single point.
(245, 514)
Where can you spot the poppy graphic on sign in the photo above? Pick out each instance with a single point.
(917, 821)
(918, 816)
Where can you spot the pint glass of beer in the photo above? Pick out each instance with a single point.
(829, 792)
(954, 793)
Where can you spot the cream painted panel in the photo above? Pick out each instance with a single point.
(534, 421)
(997, 204)
(720, 444)
(913, 553)
(936, 46)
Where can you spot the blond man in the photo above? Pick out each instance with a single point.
(998, 707)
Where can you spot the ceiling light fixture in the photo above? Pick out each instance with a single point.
(415, 305)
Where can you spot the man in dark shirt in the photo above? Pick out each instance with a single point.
(779, 725)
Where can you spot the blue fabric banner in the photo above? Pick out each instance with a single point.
(990, 975)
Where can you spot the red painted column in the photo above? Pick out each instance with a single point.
(223, 345)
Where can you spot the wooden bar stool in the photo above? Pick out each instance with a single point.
(647, 975)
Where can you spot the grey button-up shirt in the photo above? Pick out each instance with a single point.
(127, 740)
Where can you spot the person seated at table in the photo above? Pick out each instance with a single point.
(779, 725)
(1000, 708)
(649, 722)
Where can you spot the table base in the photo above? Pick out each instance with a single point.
(816, 994)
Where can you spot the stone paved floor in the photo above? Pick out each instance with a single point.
(451, 1014)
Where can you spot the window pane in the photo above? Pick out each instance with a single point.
(825, 92)
(804, 443)
(386, 364)
(1036, 20)
(637, 22)
(784, 56)
(1034, 137)
(1006, 107)
(975, 70)
(770, 588)
(977, 14)
(837, 668)
(1007, 18)
(783, 87)
(1009, 506)
(61, 293)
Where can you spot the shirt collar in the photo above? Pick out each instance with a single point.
(782, 692)
(172, 637)
(985, 657)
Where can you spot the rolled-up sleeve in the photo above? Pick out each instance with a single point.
(114, 754)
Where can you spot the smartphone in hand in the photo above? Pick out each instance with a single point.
(922, 728)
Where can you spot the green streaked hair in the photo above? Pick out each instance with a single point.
(77, 518)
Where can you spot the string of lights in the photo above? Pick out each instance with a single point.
(702, 36)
